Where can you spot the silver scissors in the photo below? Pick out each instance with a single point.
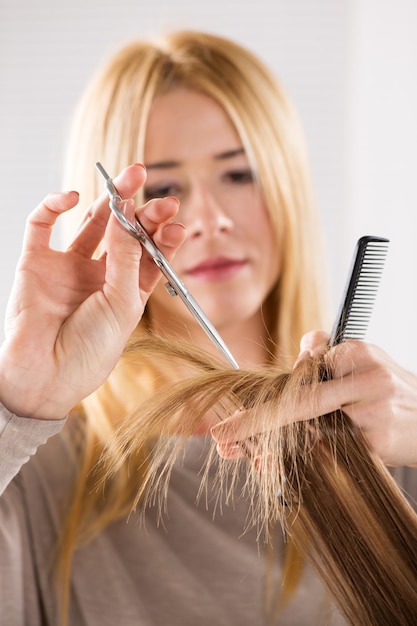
(174, 286)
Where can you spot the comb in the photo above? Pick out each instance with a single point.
(361, 289)
(358, 298)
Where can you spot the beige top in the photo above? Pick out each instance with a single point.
(195, 568)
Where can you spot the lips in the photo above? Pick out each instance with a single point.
(219, 268)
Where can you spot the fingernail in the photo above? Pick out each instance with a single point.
(177, 202)
(226, 449)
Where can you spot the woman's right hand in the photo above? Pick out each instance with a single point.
(70, 315)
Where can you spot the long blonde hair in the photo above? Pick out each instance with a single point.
(317, 477)
(110, 126)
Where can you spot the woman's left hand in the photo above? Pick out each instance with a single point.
(376, 393)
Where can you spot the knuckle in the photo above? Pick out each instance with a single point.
(354, 355)
(385, 381)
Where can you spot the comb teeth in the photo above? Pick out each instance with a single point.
(361, 289)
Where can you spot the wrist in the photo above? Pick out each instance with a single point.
(23, 395)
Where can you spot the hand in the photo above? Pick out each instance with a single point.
(376, 393)
(70, 315)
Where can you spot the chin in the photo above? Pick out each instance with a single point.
(231, 313)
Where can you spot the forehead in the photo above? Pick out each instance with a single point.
(185, 124)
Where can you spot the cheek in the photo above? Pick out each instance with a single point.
(271, 259)
(262, 234)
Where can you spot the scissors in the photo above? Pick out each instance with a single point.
(174, 286)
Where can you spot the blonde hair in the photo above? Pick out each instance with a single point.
(110, 126)
(317, 477)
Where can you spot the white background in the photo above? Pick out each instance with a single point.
(350, 67)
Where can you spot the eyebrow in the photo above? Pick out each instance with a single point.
(228, 154)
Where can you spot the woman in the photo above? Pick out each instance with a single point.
(216, 133)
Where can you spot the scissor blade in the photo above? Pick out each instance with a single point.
(176, 285)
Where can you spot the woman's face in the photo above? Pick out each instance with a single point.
(230, 260)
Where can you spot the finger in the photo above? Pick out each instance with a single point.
(93, 226)
(243, 426)
(358, 371)
(123, 255)
(131, 274)
(157, 212)
(156, 219)
(40, 222)
(305, 354)
(311, 402)
(362, 386)
(249, 449)
(237, 428)
(354, 356)
(230, 451)
(314, 341)
(168, 236)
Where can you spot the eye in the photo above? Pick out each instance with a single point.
(241, 176)
(161, 191)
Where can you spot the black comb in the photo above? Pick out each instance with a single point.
(361, 289)
(357, 302)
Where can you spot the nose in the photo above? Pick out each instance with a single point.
(205, 215)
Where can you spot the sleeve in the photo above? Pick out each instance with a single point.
(20, 437)
(20, 601)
